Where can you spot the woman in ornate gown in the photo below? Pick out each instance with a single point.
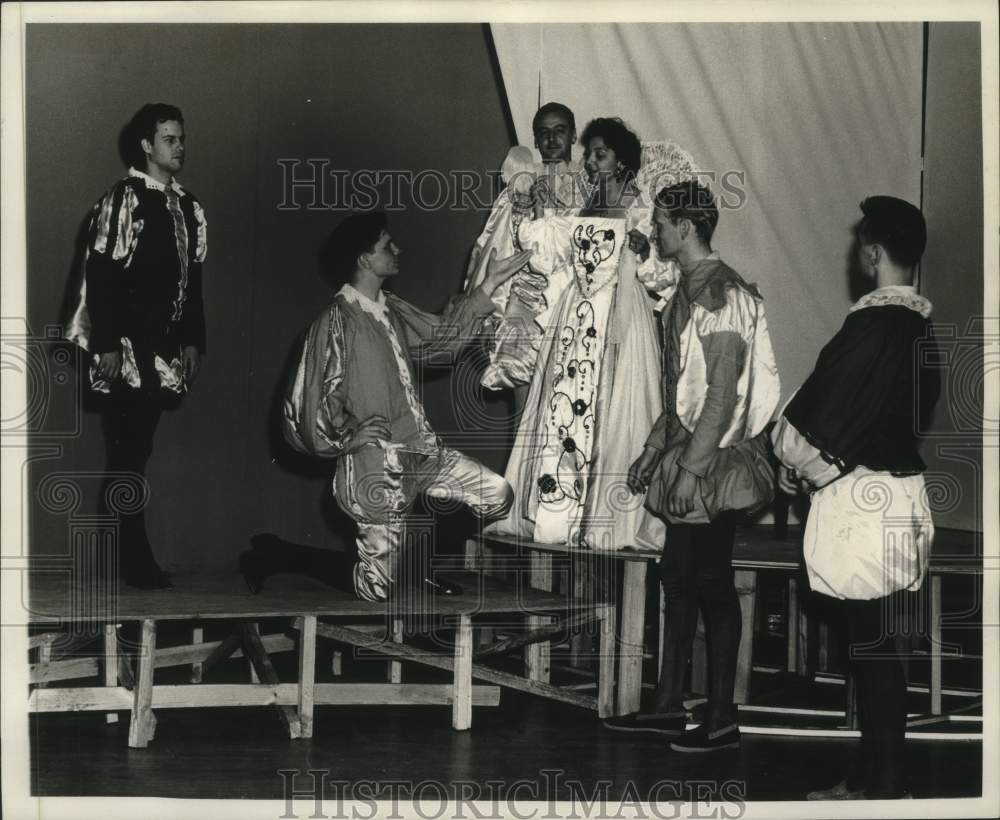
(595, 391)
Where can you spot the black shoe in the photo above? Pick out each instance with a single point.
(700, 739)
(671, 725)
(153, 580)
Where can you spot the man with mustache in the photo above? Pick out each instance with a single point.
(140, 315)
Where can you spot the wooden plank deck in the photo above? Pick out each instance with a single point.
(756, 548)
(303, 602)
(50, 600)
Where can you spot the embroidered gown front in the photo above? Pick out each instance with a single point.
(595, 392)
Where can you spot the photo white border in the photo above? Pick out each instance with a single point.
(17, 803)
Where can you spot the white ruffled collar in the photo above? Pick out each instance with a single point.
(377, 308)
(900, 295)
(155, 184)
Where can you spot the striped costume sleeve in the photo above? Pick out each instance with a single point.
(111, 241)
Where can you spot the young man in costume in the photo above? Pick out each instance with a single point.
(140, 313)
(556, 186)
(354, 399)
(705, 460)
(850, 437)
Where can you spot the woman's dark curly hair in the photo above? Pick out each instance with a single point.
(618, 138)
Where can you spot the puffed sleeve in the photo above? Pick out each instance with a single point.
(795, 451)
(111, 241)
(852, 391)
(315, 418)
(724, 352)
(548, 238)
(534, 291)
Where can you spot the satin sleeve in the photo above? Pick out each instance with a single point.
(495, 234)
(548, 238)
(796, 452)
(315, 415)
(724, 352)
(112, 238)
(427, 335)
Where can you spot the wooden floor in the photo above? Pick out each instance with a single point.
(238, 752)
(243, 749)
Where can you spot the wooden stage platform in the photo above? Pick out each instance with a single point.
(757, 548)
(78, 612)
(65, 615)
(53, 599)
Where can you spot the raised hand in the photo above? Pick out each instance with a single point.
(499, 271)
(541, 195)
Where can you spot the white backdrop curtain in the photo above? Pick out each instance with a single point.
(816, 115)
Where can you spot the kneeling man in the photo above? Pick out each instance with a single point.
(354, 398)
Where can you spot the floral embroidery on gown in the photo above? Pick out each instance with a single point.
(568, 408)
(595, 388)
(595, 392)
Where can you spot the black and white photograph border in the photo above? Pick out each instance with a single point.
(509, 678)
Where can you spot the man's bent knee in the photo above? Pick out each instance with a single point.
(497, 499)
(506, 498)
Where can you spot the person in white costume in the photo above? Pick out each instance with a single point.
(594, 392)
(557, 186)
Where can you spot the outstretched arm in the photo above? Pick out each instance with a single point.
(428, 335)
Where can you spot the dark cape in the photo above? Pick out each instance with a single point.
(872, 391)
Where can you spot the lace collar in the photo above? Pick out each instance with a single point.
(376, 308)
(155, 184)
(900, 295)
